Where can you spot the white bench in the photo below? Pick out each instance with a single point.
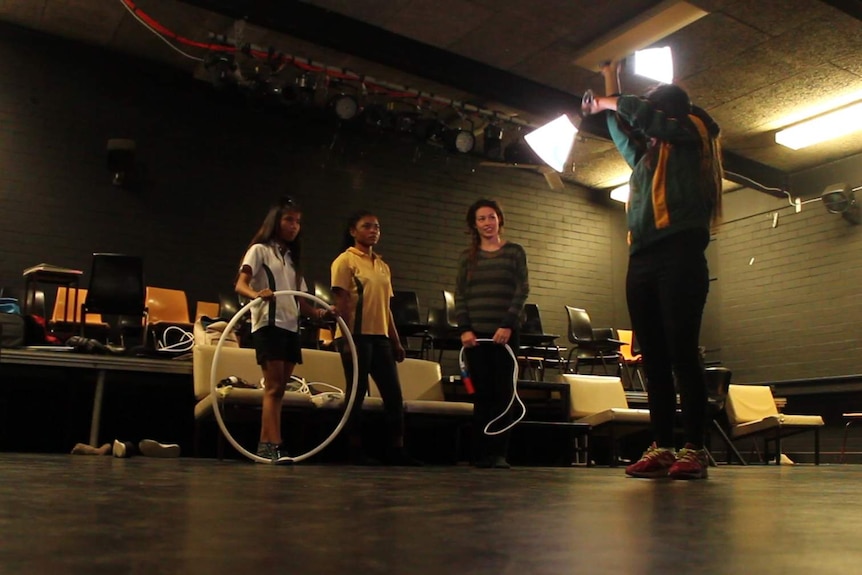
(600, 402)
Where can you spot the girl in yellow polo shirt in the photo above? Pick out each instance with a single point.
(362, 286)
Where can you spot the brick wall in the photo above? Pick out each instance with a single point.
(790, 304)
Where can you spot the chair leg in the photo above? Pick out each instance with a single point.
(816, 446)
(639, 373)
(731, 448)
(709, 456)
(778, 448)
(613, 439)
(569, 361)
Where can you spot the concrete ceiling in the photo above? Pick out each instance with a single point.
(755, 66)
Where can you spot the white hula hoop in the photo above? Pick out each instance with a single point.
(214, 397)
(515, 396)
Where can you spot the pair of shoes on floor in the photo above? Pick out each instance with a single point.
(493, 462)
(84, 449)
(658, 462)
(146, 447)
(273, 452)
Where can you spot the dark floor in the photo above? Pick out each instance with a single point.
(93, 515)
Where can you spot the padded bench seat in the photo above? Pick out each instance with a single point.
(420, 382)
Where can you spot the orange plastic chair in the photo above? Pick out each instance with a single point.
(166, 304)
(60, 313)
(206, 308)
(632, 359)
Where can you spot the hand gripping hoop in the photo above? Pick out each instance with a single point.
(515, 397)
(214, 381)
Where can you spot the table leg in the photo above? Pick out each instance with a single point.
(97, 408)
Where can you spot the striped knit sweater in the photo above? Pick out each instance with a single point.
(491, 294)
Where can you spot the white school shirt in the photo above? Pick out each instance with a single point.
(274, 270)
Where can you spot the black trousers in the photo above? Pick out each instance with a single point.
(375, 357)
(491, 368)
(666, 288)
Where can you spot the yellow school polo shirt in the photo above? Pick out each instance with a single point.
(373, 273)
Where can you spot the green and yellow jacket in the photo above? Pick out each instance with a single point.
(667, 156)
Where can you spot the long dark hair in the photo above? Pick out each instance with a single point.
(347, 240)
(270, 228)
(475, 239)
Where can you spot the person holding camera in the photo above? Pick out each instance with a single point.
(674, 152)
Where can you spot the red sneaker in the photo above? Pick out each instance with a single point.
(655, 462)
(690, 464)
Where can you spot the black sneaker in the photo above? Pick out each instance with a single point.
(499, 462)
(272, 452)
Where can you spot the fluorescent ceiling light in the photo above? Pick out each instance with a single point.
(655, 63)
(621, 194)
(651, 26)
(822, 128)
(553, 141)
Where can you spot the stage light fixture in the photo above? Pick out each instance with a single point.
(427, 129)
(221, 69)
(553, 142)
(300, 90)
(376, 115)
(459, 140)
(344, 106)
(492, 142)
(828, 126)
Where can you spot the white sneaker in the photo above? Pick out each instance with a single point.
(152, 448)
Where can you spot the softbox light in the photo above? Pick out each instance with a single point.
(553, 141)
(655, 64)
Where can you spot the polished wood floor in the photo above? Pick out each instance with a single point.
(97, 514)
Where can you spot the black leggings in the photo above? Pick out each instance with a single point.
(490, 368)
(666, 290)
(374, 356)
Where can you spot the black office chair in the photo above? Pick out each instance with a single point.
(536, 345)
(322, 330)
(442, 327)
(405, 312)
(591, 346)
(228, 305)
(717, 381)
(117, 289)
